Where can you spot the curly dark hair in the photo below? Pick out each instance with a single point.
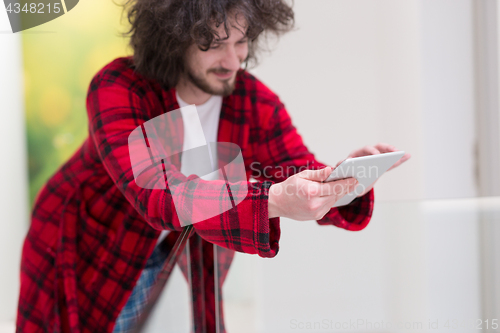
(162, 30)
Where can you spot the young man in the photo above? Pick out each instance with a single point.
(92, 244)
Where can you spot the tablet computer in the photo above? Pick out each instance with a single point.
(366, 169)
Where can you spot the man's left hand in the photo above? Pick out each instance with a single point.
(379, 148)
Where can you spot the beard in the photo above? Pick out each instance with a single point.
(202, 83)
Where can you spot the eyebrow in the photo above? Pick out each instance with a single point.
(218, 41)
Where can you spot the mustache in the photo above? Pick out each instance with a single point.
(219, 70)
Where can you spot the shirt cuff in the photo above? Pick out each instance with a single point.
(267, 230)
(354, 216)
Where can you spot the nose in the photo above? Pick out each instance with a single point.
(232, 60)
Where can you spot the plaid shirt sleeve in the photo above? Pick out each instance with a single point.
(115, 109)
(283, 153)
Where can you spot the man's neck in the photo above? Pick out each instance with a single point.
(190, 93)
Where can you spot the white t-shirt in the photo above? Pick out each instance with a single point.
(174, 303)
(200, 128)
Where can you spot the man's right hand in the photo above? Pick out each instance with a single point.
(303, 196)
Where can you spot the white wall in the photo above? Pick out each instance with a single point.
(448, 98)
(416, 263)
(13, 171)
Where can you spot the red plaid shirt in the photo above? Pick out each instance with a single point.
(93, 228)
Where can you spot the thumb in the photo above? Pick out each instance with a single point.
(340, 162)
(316, 175)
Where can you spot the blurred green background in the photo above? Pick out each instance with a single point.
(60, 58)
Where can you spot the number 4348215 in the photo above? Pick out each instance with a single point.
(34, 8)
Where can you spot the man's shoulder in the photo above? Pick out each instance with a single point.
(250, 86)
(120, 72)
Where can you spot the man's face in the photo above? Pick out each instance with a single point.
(214, 71)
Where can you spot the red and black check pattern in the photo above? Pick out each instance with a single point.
(92, 228)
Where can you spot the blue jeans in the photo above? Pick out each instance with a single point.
(137, 301)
